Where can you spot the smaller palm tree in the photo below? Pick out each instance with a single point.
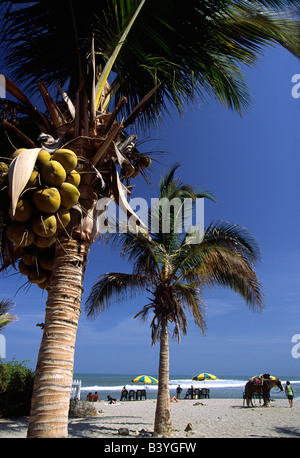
(5, 317)
(174, 267)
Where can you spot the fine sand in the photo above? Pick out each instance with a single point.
(209, 418)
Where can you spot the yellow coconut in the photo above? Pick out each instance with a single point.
(73, 178)
(67, 158)
(19, 234)
(3, 168)
(43, 157)
(17, 152)
(23, 268)
(24, 210)
(135, 173)
(47, 264)
(53, 173)
(28, 258)
(45, 284)
(44, 225)
(69, 195)
(34, 180)
(37, 275)
(43, 242)
(47, 200)
(63, 218)
(144, 161)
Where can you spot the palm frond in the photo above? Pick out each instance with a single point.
(168, 216)
(219, 235)
(263, 27)
(141, 251)
(191, 52)
(112, 287)
(5, 316)
(228, 269)
(190, 295)
(236, 237)
(109, 64)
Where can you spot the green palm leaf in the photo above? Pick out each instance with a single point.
(113, 286)
(176, 270)
(5, 316)
(189, 52)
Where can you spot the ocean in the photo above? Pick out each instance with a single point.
(225, 387)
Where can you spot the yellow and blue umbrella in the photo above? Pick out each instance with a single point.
(204, 376)
(145, 379)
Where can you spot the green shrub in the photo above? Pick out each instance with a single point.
(16, 385)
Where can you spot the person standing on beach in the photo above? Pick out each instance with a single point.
(289, 392)
(124, 393)
(178, 392)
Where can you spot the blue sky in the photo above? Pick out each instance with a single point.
(252, 166)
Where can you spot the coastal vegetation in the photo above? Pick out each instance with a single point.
(16, 385)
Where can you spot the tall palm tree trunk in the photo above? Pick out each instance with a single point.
(54, 370)
(163, 421)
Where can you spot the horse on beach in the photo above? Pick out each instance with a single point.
(252, 387)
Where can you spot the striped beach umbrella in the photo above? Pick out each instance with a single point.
(204, 376)
(145, 379)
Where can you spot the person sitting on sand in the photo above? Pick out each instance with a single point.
(89, 396)
(173, 399)
(95, 397)
(178, 391)
(111, 400)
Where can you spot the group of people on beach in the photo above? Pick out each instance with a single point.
(92, 397)
(95, 397)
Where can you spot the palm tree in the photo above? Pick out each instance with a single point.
(175, 267)
(113, 62)
(5, 316)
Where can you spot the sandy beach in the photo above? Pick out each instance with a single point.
(210, 418)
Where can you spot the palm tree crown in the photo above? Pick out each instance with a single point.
(188, 51)
(175, 266)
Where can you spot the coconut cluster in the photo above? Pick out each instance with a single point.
(132, 170)
(43, 212)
